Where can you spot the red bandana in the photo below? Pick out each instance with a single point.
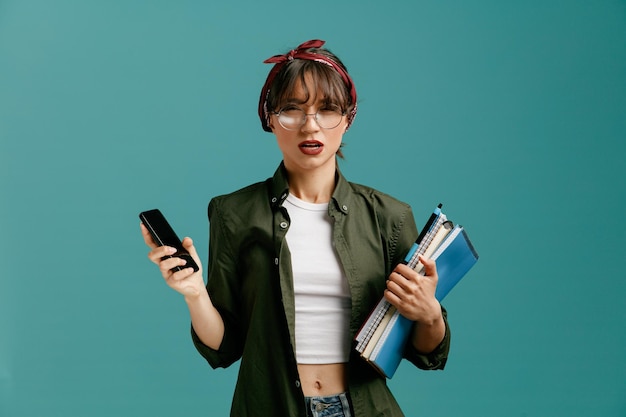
(301, 53)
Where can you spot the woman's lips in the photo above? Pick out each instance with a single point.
(311, 147)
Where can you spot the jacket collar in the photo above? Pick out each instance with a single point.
(279, 189)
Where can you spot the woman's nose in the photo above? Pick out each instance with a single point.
(310, 123)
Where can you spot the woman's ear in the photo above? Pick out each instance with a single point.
(270, 123)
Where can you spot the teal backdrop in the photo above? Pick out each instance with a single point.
(511, 113)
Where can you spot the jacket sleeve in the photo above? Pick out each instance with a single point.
(223, 291)
(435, 359)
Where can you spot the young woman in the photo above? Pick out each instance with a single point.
(297, 262)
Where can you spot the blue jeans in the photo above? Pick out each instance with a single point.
(332, 406)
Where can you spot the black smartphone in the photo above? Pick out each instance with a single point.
(163, 235)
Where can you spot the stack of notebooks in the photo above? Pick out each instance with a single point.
(384, 335)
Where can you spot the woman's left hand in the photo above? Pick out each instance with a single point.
(413, 294)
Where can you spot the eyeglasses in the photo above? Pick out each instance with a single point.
(293, 118)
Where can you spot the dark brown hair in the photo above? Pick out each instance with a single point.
(326, 81)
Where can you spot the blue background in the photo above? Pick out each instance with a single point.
(513, 114)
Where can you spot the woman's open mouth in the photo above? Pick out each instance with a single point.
(311, 147)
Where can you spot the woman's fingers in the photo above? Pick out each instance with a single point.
(188, 244)
(181, 275)
(397, 283)
(430, 267)
(404, 276)
(157, 254)
(174, 269)
(167, 264)
(406, 284)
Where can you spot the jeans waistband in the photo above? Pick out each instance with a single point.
(328, 406)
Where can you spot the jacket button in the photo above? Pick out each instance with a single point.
(297, 384)
(283, 225)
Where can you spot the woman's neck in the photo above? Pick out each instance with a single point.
(314, 186)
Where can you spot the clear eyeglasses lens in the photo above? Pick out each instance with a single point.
(295, 118)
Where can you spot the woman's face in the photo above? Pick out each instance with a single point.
(309, 148)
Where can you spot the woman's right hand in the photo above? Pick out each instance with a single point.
(206, 320)
(186, 281)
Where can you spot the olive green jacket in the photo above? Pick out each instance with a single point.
(250, 283)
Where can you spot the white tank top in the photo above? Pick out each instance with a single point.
(322, 295)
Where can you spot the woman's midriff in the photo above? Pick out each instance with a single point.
(323, 380)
